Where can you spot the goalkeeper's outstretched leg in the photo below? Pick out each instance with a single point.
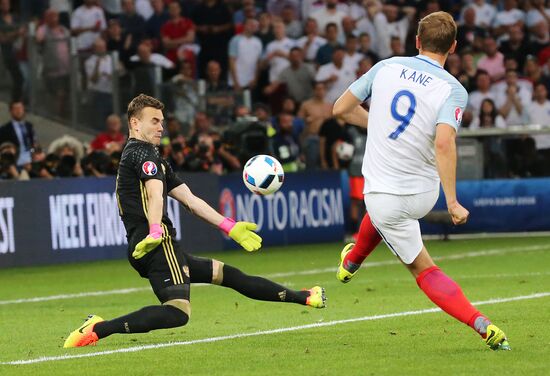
(205, 270)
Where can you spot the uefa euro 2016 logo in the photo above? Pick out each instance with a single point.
(149, 168)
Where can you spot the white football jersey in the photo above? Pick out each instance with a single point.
(410, 96)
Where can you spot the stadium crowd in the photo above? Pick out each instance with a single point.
(294, 57)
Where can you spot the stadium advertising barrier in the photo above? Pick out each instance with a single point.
(310, 207)
(499, 206)
(68, 220)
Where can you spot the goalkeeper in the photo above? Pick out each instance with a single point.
(143, 182)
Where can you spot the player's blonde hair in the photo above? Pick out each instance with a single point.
(437, 32)
(139, 103)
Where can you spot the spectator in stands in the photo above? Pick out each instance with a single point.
(483, 85)
(99, 75)
(132, 24)
(388, 23)
(214, 29)
(352, 57)
(19, 132)
(329, 14)
(144, 8)
(116, 41)
(517, 46)
(146, 57)
(538, 12)
(540, 37)
(214, 81)
(8, 163)
(488, 117)
(324, 53)
(69, 152)
(314, 111)
(293, 26)
(508, 17)
(289, 106)
(534, 73)
(365, 64)
(245, 51)
(261, 112)
(112, 8)
(494, 148)
(493, 61)
(240, 15)
(467, 30)
(298, 78)
(177, 33)
(154, 23)
(218, 97)
(185, 94)
(485, 13)
(513, 101)
(63, 8)
(277, 7)
(333, 132)
(201, 124)
(539, 113)
(11, 30)
(336, 76)
(396, 46)
(87, 23)
(142, 68)
(112, 139)
(365, 47)
(348, 28)
(285, 143)
(54, 41)
(277, 51)
(265, 29)
(311, 41)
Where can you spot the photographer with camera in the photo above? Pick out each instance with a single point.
(8, 163)
(208, 154)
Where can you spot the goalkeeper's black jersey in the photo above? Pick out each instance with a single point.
(141, 161)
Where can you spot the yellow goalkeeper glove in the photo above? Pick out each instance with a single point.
(243, 233)
(150, 242)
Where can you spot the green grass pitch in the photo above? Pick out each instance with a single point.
(426, 343)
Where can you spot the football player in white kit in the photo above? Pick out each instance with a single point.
(416, 107)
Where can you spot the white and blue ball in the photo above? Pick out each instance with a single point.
(263, 175)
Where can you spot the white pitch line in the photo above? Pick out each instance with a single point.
(458, 256)
(263, 332)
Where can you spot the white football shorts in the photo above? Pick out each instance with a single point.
(396, 219)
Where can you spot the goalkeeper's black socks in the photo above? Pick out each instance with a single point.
(260, 288)
(142, 321)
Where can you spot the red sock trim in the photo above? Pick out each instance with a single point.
(424, 273)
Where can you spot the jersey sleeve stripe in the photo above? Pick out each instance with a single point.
(143, 198)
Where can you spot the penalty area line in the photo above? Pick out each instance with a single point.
(264, 332)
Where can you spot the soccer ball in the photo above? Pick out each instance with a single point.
(263, 175)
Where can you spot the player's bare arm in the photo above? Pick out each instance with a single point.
(154, 189)
(242, 232)
(348, 108)
(196, 205)
(445, 155)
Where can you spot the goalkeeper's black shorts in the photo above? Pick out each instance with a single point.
(170, 271)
